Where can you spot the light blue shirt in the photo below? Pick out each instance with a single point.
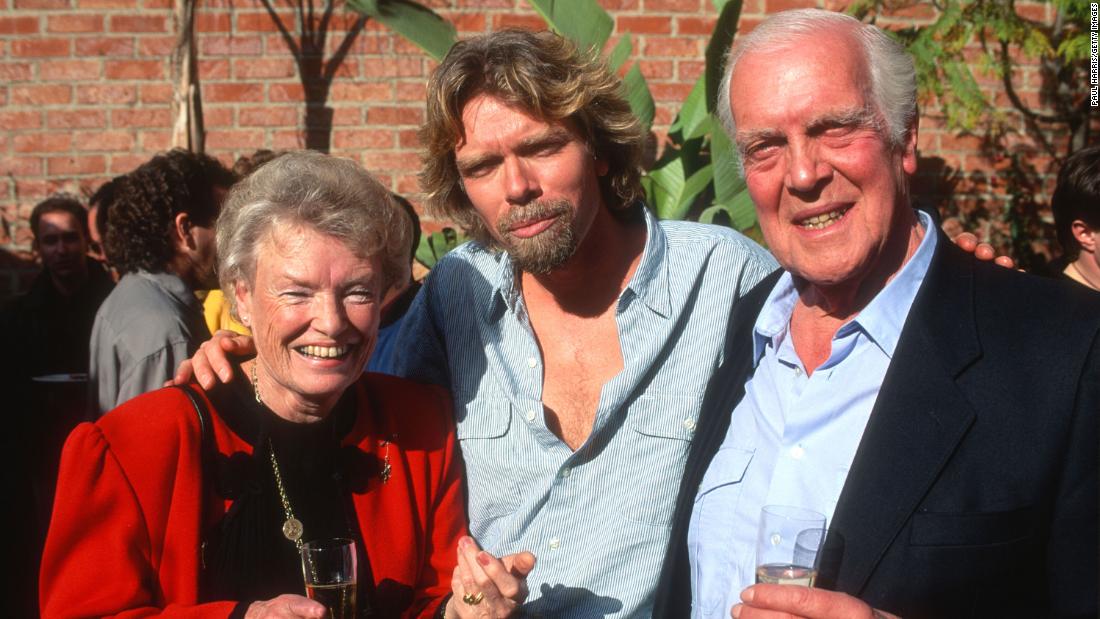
(599, 518)
(792, 439)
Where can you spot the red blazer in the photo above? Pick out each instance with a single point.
(125, 534)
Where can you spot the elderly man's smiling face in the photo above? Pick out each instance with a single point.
(827, 185)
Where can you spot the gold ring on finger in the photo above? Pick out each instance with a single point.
(474, 600)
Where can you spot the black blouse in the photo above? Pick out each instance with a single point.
(245, 555)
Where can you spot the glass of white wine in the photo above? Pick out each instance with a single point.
(787, 545)
(329, 567)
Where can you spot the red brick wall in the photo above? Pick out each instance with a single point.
(85, 90)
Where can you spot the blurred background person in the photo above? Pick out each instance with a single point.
(397, 301)
(99, 205)
(160, 238)
(308, 248)
(1076, 206)
(45, 335)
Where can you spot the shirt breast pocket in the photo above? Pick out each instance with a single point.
(720, 490)
(484, 436)
(654, 457)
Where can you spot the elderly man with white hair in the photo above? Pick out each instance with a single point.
(939, 412)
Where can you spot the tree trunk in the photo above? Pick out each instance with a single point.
(187, 129)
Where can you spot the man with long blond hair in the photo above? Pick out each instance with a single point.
(577, 333)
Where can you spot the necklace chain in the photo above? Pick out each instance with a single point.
(292, 527)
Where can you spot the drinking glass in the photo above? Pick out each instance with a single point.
(329, 567)
(787, 545)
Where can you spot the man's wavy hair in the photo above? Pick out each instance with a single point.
(147, 200)
(545, 75)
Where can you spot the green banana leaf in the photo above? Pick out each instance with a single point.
(436, 245)
(416, 23)
(583, 21)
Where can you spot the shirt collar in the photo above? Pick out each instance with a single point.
(649, 282)
(883, 318)
(174, 286)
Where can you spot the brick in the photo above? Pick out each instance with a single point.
(673, 46)
(138, 23)
(250, 140)
(107, 4)
(156, 141)
(40, 4)
(19, 25)
(81, 22)
(106, 94)
(55, 70)
(347, 69)
(347, 116)
(217, 117)
(158, 4)
(469, 23)
(286, 92)
(40, 47)
(82, 164)
(408, 139)
(389, 116)
(156, 93)
(362, 138)
(269, 116)
(124, 163)
(619, 5)
(15, 72)
(262, 22)
(222, 45)
(206, 21)
(511, 20)
(690, 70)
(104, 46)
(695, 26)
(287, 140)
(215, 69)
(775, 6)
(41, 95)
(670, 92)
(136, 69)
(258, 68)
(416, 91)
(233, 92)
(141, 117)
(103, 140)
(657, 69)
(76, 119)
(20, 119)
(363, 91)
(391, 161)
(42, 142)
(159, 47)
(644, 24)
(673, 6)
(393, 66)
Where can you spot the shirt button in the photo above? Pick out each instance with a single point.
(565, 472)
(555, 543)
(797, 371)
(530, 415)
(532, 362)
(797, 452)
(689, 424)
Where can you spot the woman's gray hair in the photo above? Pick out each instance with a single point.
(893, 76)
(333, 196)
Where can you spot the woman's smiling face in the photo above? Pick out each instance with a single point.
(314, 311)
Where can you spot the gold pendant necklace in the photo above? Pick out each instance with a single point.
(292, 527)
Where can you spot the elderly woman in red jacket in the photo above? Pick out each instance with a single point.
(182, 502)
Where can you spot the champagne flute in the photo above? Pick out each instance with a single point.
(787, 545)
(329, 567)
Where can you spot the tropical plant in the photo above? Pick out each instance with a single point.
(696, 174)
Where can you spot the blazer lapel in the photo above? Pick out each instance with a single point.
(919, 418)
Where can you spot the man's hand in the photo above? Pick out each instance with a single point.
(786, 601)
(211, 361)
(286, 606)
(982, 251)
(498, 585)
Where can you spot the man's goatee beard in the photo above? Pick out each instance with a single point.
(547, 250)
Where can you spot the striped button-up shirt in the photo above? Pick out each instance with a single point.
(598, 518)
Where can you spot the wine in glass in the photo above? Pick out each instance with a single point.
(329, 567)
(787, 545)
